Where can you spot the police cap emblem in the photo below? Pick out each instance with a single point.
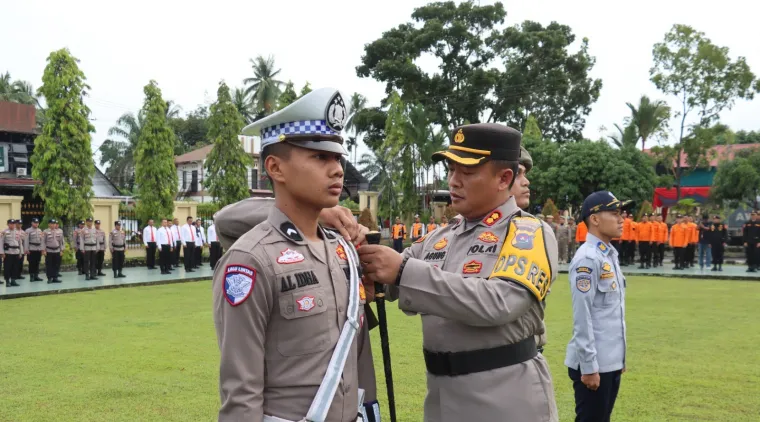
(336, 113)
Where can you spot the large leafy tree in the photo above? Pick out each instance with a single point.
(541, 76)
(190, 130)
(543, 79)
(396, 142)
(288, 96)
(62, 156)
(118, 155)
(737, 181)
(227, 163)
(650, 118)
(263, 87)
(155, 172)
(706, 81)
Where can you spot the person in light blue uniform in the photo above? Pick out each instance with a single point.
(596, 354)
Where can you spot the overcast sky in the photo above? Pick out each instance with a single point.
(189, 46)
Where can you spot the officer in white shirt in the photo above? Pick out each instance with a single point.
(174, 228)
(149, 239)
(166, 246)
(200, 242)
(187, 235)
(215, 248)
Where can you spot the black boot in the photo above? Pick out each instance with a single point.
(37, 277)
(12, 283)
(121, 274)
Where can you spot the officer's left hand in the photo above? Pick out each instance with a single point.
(342, 219)
(380, 263)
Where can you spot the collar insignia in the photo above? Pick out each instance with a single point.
(602, 247)
(492, 218)
(290, 230)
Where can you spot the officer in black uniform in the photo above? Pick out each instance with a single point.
(751, 238)
(717, 236)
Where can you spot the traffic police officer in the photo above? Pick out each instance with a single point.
(285, 313)
(88, 244)
(101, 253)
(34, 247)
(479, 286)
(53, 242)
(596, 353)
(117, 244)
(13, 247)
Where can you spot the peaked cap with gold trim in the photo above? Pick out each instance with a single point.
(475, 144)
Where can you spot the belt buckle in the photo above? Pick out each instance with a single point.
(449, 366)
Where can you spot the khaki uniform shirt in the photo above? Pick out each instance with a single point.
(456, 279)
(101, 239)
(12, 242)
(33, 240)
(280, 303)
(117, 240)
(88, 239)
(75, 239)
(53, 240)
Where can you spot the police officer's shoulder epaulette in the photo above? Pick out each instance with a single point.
(524, 258)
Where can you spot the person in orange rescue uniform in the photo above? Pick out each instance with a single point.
(626, 239)
(417, 229)
(661, 237)
(399, 235)
(645, 237)
(693, 240)
(444, 222)
(679, 239)
(431, 225)
(580, 234)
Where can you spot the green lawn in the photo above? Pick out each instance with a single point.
(149, 354)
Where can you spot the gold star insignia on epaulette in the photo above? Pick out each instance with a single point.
(492, 218)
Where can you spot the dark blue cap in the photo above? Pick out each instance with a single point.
(35, 220)
(53, 221)
(602, 200)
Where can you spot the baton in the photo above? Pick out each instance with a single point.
(373, 238)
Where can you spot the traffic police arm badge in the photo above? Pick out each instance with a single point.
(523, 258)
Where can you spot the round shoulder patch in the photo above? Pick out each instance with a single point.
(583, 283)
(238, 283)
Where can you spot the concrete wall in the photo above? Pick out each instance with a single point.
(10, 207)
(184, 209)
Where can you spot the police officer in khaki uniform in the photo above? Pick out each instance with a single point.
(479, 286)
(53, 242)
(116, 244)
(285, 313)
(78, 253)
(101, 253)
(13, 247)
(22, 236)
(236, 219)
(34, 247)
(88, 243)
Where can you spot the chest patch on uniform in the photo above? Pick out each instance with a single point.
(435, 256)
(606, 267)
(298, 280)
(440, 244)
(492, 218)
(420, 240)
(583, 283)
(488, 237)
(523, 258)
(472, 267)
(483, 249)
(341, 252)
(289, 256)
(306, 303)
(586, 270)
(607, 275)
(238, 283)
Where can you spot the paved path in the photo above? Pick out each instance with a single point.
(140, 276)
(71, 282)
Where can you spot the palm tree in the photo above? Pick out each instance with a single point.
(264, 88)
(243, 104)
(379, 167)
(626, 138)
(17, 91)
(172, 110)
(358, 103)
(119, 154)
(650, 117)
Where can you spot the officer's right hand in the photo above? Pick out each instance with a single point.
(591, 381)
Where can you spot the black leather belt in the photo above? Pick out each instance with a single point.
(462, 363)
(11, 247)
(53, 250)
(35, 244)
(118, 246)
(91, 244)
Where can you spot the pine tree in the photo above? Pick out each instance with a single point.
(287, 97)
(550, 209)
(227, 163)
(155, 172)
(62, 157)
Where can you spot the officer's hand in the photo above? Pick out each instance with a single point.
(369, 289)
(591, 381)
(380, 263)
(341, 219)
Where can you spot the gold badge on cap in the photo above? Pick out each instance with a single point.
(459, 137)
(282, 137)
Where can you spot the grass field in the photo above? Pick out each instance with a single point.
(149, 354)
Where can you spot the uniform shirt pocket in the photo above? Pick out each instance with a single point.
(305, 328)
(608, 293)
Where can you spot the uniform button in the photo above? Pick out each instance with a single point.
(340, 309)
(407, 302)
(290, 309)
